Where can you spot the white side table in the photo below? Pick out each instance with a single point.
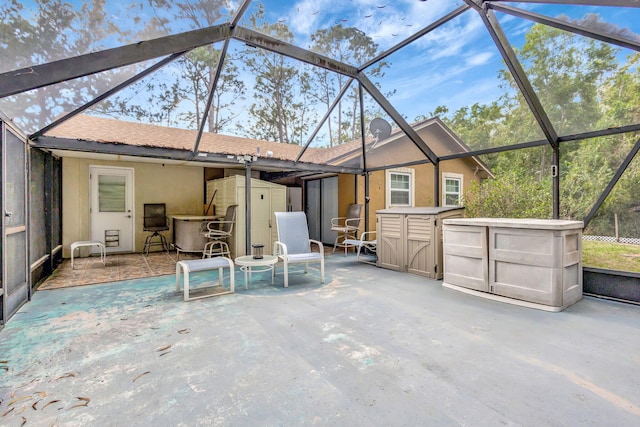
(82, 243)
(248, 263)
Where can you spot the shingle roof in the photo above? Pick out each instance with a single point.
(97, 129)
(90, 128)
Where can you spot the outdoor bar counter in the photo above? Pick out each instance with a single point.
(532, 262)
(187, 236)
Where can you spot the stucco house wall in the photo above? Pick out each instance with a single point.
(180, 187)
(423, 186)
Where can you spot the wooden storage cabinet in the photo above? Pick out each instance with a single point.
(410, 239)
(536, 262)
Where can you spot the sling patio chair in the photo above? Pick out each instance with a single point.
(294, 244)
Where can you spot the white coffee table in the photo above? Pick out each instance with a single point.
(248, 264)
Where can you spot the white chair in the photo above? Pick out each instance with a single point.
(346, 227)
(218, 233)
(294, 244)
(365, 241)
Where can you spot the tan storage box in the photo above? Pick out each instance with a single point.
(537, 262)
(410, 239)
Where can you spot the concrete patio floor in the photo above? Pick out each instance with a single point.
(369, 347)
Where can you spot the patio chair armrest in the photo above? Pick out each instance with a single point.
(335, 222)
(214, 225)
(349, 222)
(366, 236)
(320, 245)
(279, 249)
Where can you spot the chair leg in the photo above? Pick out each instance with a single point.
(163, 240)
(186, 284)
(273, 272)
(148, 242)
(346, 236)
(178, 268)
(286, 274)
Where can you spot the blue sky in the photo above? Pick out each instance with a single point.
(456, 65)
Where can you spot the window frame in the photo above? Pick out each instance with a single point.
(452, 176)
(411, 190)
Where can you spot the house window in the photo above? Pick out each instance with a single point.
(452, 189)
(400, 187)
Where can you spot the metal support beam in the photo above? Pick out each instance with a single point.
(598, 133)
(612, 183)
(107, 94)
(257, 39)
(363, 139)
(25, 79)
(247, 204)
(122, 149)
(508, 55)
(567, 26)
(436, 184)
(555, 175)
(492, 150)
(396, 117)
(531, 144)
(324, 118)
(618, 3)
(367, 198)
(448, 17)
(212, 91)
(240, 13)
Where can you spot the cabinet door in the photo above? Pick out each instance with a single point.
(466, 256)
(420, 250)
(391, 241)
(525, 264)
(261, 217)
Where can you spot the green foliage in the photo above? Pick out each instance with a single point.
(57, 31)
(179, 98)
(612, 256)
(509, 195)
(350, 46)
(280, 110)
(581, 87)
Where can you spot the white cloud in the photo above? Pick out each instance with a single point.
(387, 22)
(304, 16)
(478, 59)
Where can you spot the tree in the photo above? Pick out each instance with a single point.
(57, 31)
(578, 84)
(281, 102)
(351, 46)
(179, 98)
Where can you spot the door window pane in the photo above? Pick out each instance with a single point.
(111, 193)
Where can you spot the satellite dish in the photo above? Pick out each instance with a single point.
(380, 128)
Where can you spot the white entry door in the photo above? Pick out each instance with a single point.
(112, 216)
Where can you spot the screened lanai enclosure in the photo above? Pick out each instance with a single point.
(545, 94)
